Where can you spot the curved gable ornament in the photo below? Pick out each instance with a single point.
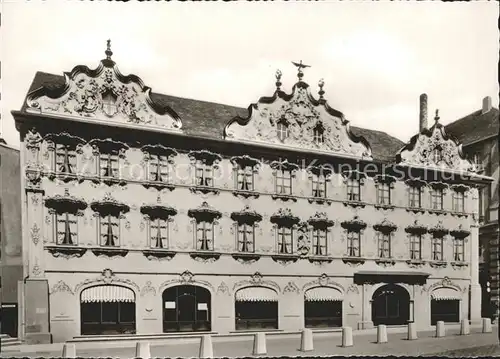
(323, 281)
(107, 277)
(256, 280)
(302, 113)
(185, 278)
(433, 148)
(104, 95)
(445, 283)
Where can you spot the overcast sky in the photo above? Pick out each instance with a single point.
(376, 57)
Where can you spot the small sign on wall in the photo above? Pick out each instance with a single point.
(41, 310)
(202, 306)
(169, 305)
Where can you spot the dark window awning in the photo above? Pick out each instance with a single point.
(409, 277)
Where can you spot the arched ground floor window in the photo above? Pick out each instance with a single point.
(256, 308)
(186, 308)
(323, 308)
(390, 305)
(445, 306)
(107, 309)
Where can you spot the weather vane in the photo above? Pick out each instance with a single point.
(300, 66)
(108, 51)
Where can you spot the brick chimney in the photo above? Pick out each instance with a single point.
(423, 112)
(486, 105)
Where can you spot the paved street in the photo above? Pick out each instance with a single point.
(324, 344)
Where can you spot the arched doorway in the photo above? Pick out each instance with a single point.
(322, 307)
(256, 308)
(390, 305)
(445, 305)
(107, 309)
(186, 308)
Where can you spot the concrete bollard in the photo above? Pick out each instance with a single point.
(306, 340)
(69, 350)
(206, 348)
(412, 331)
(381, 334)
(440, 330)
(487, 325)
(346, 337)
(259, 344)
(142, 350)
(464, 327)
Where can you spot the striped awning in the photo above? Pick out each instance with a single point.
(446, 294)
(323, 294)
(107, 293)
(256, 294)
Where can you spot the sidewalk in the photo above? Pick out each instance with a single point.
(324, 344)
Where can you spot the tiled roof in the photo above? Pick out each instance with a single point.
(208, 119)
(475, 127)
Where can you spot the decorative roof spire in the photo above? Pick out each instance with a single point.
(278, 78)
(108, 51)
(321, 92)
(436, 118)
(300, 66)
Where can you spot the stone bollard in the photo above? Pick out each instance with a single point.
(381, 334)
(487, 325)
(440, 330)
(259, 344)
(206, 348)
(346, 337)
(69, 350)
(412, 331)
(306, 340)
(464, 327)
(142, 350)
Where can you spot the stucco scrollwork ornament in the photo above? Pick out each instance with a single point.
(35, 234)
(107, 276)
(324, 281)
(256, 280)
(148, 289)
(33, 140)
(303, 242)
(61, 287)
(445, 282)
(353, 288)
(184, 278)
(37, 270)
(223, 289)
(291, 287)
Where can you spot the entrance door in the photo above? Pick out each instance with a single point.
(390, 305)
(186, 309)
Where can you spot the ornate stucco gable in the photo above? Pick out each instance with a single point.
(105, 96)
(434, 148)
(302, 114)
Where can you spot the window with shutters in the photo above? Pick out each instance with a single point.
(66, 228)
(158, 233)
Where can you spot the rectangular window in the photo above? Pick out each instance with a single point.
(66, 229)
(109, 165)
(245, 179)
(283, 182)
(458, 200)
(353, 190)
(158, 168)
(158, 235)
(437, 248)
(65, 159)
(246, 238)
(205, 236)
(384, 193)
(285, 240)
(437, 199)
(353, 244)
(416, 246)
(384, 245)
(204, 174)
(415, 197)
(458, 249)
(109, 231)
(319, 186)
(319, 242)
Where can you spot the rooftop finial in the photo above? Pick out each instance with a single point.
(108, 51)
(300, 66)
(321, 92)
(278, 78)
(436, 118)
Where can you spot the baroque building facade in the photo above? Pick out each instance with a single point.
(144, 213)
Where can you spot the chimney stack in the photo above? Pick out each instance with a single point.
(423, 112)
(486, 105)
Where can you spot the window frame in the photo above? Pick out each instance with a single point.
(207, 173)
(416, 241)
(279, 176)
(353, 184)
(384, 244)
(282, 130)
(461, 253)
(384, 193)
(437, 193)
(74, 234)
(319, 241)
(242, 232)
(353, 237)
(207, 227)
(440, 241)
(283, 233)
(415, 192)
(458, 201)
(114, 221)
(243, 174)
(319, 180)
(165, 233)
(112, 162)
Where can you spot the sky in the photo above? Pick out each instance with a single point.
(376, 58)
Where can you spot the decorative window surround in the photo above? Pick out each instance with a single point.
(282, 129)
(415, 195)
(158, 217)
(246, 223)
(320, 237)
(354, 230)
(285, 224)
(205, 163)
(459, 239)
(158, 160)
(416, 228)
(284, 172)
(64, 148)
(459, 196)
(110, 156)
(354, 181)
(204, 220)
(385, 236)
(320, 176)
(384, 184)
(438, 230)
(244, 170)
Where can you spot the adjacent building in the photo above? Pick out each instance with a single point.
(478, 132)
(147, 213)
